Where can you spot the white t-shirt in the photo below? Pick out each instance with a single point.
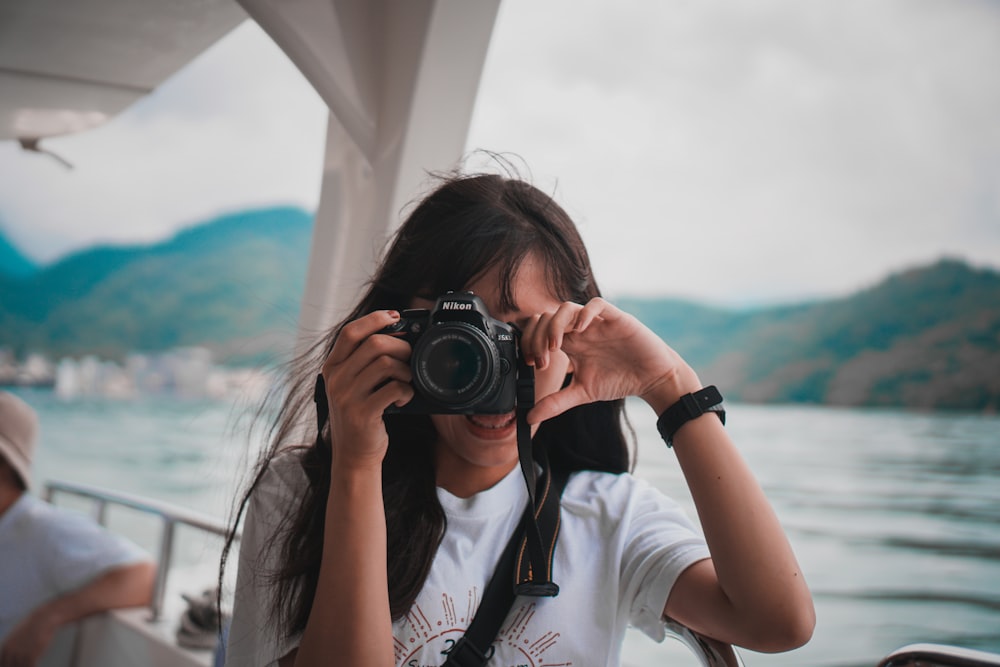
(46, 552)
(622, 544)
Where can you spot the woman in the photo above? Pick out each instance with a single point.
(372, 546)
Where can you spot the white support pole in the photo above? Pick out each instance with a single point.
(400, 78)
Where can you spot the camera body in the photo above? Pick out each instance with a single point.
(464, 361)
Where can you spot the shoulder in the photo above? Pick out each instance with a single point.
(283, 476)
(25, 521)
(32, 508)
(281, 483)
(611, 490)
(52, 523)
(619, 498)
(70, 548)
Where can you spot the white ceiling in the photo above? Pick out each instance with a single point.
(68, 65)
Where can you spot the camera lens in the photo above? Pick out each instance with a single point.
(455, 365)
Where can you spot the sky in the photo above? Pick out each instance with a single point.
(734, 152)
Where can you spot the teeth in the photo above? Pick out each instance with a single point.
(494, 423)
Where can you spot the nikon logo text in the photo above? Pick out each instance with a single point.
(456, 305)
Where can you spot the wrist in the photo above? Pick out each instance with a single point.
(50, 616)
(353, 492)
(359, 461)
(666, 391)
(689, 407)
(356, 472)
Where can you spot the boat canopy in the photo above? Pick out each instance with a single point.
(399, 77)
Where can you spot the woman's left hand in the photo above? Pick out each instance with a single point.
(612, 355)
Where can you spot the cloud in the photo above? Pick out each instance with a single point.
(729, 151)
(238, 127)
(768, 150)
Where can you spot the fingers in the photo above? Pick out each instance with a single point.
(386, 380)
(358, 344)
(545, 331)
(366, 369)
(18, 656)
(354, 333)
(596, 308)
(557, 403)
(365, 373)
(533, 345)
(607, 351)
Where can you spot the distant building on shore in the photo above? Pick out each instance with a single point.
(188, 372)
(34, 371)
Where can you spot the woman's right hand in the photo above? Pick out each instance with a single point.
(365, 373)
(350, 616)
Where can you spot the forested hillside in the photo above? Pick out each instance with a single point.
(925, 338)
(232, 284)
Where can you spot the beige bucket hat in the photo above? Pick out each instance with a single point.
(18, 434)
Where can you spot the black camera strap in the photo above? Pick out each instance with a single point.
(536, 552)
(533, 567)
(322, 408)
(473, 649)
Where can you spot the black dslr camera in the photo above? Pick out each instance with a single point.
(463, 360)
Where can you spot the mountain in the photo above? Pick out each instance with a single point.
(12, 263)
(232, 284)
(925, 338)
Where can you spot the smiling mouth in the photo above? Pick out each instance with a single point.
(492, 422)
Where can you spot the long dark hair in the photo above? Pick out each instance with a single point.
(468, 225)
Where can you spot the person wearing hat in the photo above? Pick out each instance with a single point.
(56, 566)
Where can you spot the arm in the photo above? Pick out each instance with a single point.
(350, 616)
(751, 591)
(350, 613)
(126, 586)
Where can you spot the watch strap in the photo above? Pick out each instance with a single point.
(690, 406)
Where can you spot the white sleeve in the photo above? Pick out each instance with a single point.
(254, 640)
(79, 551)
(660, 543)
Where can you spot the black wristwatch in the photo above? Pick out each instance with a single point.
(687, 408)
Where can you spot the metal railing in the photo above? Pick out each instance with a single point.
(710, 653)
(939, 655)
(170, 516)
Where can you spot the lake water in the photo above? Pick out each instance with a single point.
(894, 516)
